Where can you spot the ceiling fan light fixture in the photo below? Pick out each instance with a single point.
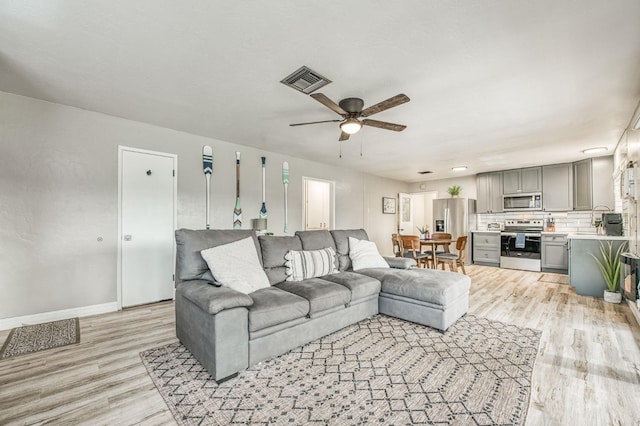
(351, 126)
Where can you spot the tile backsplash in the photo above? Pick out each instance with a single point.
(565, 221)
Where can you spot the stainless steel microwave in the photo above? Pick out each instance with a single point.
(519, 202)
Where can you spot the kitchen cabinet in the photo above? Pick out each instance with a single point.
(582, 185)
(593, 183)
(584, 274)
(486, 248)
(489, 193)
(522, 180)
(555, 253)
(557, 187)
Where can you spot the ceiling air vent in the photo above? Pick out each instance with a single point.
(426, 172)
(305, 80)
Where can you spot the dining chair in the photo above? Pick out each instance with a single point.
(455, 259)
(411, 249)
(436, 236)
(397, 245)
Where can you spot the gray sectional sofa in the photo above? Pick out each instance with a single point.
(227, 331)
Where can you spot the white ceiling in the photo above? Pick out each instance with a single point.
(493, 84)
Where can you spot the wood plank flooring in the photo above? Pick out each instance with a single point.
(587, 371)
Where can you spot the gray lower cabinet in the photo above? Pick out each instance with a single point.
(486, 248)
(555, 253)
(584, 274)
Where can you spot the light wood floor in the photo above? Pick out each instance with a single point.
(587, 371)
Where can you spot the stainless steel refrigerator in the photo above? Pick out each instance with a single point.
(456, 216)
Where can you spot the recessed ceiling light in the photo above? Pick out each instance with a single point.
(459, 168)
(594, 150)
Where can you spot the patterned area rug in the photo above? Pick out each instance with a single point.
(34, 338)
(379, 371)
(554, 278)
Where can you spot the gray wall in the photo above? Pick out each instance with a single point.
(58, 194)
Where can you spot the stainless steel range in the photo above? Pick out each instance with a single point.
(520, 244)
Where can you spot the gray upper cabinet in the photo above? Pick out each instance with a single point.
(557, 187)
(522, 180)
(489, 193)
(582, 185)
(602, 174)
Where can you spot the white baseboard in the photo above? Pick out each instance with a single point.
(83, 311)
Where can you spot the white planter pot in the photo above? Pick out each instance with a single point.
(612, 297)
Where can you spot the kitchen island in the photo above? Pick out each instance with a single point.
(584, 273)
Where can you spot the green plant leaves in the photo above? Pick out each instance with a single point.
(610, 266)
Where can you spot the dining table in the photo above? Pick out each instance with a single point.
(433, 244)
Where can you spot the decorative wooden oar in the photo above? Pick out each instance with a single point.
(237, 211)
(263, 209)
(285, 182)
(207, 168)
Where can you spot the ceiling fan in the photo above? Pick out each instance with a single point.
(351, 110)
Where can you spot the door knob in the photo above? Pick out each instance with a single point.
(127, 237)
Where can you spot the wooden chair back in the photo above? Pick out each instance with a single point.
(411, 242)
(461, 245)
(397, 245)
(440, 236)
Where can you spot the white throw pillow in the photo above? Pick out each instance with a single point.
(364, 254)
(236, 265)
(301, 265)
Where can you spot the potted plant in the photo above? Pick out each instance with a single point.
(424, 232)
(454, 190)
(610, 266)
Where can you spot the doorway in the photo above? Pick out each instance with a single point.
(147, 193)
(318, 208)
(423, 209)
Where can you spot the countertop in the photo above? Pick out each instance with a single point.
(596, 237)
(485, 231)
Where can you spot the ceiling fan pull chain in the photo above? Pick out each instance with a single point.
(360, 146)
(340, 149)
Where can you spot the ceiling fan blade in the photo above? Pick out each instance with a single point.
(315, 122)
(328, 103)
(389, 103)
(384, 125)
(344, 136)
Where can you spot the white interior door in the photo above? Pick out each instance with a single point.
(147, 224)
(318, 204)
(405, 214)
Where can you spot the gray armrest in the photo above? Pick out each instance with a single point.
(213, 299)
(400, 262)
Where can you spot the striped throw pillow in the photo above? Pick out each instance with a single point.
(304, 264)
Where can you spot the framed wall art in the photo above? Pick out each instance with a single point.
(388, 205)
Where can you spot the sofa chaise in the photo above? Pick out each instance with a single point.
(227, 330)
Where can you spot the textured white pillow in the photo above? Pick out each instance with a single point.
(364, 254)
(301, 265)
(236, 265)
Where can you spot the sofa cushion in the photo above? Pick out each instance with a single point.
(316, 240)
(310, 263)
(321, 294)
(341, 240)
(364, 254)
(189, 243)
(236, 265)
(272, 306)
(274, 248)
(213, 299)
(427, 285)
(361, 286)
